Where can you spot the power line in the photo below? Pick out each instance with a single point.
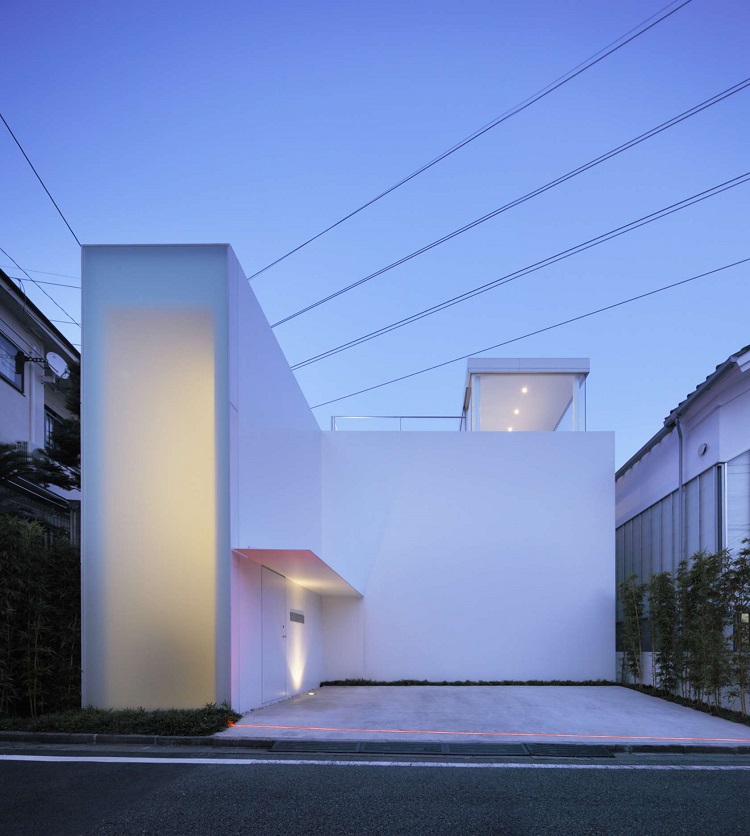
(532, 268)
(59, 211)
(534, 333)
(34, 281)
(54, 284)
(529, 195)
(28, 270)
(615, 45)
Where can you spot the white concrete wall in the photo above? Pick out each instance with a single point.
(480, 555)
(277, 449)
(304, 642)
(155, 538)
(246, 634)
(304, 667)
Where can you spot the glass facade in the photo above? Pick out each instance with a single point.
(738, 500)
(716, 515)
(650, 542)
(526, 402)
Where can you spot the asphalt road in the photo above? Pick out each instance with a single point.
(119, 799)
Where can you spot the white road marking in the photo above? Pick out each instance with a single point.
(419, 764)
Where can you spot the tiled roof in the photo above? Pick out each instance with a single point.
(720, 369)
(669, 421)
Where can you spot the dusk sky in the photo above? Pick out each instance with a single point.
(260, 124)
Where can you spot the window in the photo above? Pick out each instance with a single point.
(51, 421)
(8, 352)
(738, 500)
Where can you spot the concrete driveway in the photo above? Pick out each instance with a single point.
(500, 714)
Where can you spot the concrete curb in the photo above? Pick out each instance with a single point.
(267, 744)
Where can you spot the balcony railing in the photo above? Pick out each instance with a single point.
(397, 423)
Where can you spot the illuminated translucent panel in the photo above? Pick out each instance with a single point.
(159, 511)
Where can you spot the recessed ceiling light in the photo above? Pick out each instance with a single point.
(524, 390)
(516, 411)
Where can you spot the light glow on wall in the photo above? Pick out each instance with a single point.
(159, 527)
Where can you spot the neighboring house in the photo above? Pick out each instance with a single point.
(234, 551)
(688, 488)
(32, 400)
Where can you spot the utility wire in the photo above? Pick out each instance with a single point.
(59, 211)
(605, 52)
(34, 281)
(742, 85)
(28, 270)
(54, 284)
(538, 265)
(534, 333)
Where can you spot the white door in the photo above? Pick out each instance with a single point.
(273, 635)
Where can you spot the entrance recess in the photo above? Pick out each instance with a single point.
(273, 635)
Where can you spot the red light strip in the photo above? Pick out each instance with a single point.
(494, 734)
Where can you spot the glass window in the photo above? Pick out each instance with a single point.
(646, 550)
(708, 510)
(658, 558)
(738, 500)
(8, 352)
(637, 556)
(620, 564)
(692, 518)
(668, 540)
(51, 420)
(527, 402)
(628, 548)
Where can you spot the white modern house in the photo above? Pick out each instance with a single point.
(688, 488)
(234, 551)
(32, 402)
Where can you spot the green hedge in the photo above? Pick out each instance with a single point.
(40, 623)
(180, 722)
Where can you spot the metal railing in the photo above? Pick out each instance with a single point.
(335, 419)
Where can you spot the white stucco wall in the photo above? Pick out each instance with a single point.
(480, 555)
(277, 446)
(304, 642)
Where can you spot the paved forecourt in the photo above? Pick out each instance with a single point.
(552, 714)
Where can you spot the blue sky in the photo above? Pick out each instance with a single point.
(260, 124)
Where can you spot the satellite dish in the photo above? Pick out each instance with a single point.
(58, 365)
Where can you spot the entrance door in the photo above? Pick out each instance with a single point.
(273, 635)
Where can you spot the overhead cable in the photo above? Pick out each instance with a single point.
(28, 270)
(34, 281)
(605, 52)
(538, 265)
(742, 85)
(534, 333)
(53, 284)
(38, 177)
